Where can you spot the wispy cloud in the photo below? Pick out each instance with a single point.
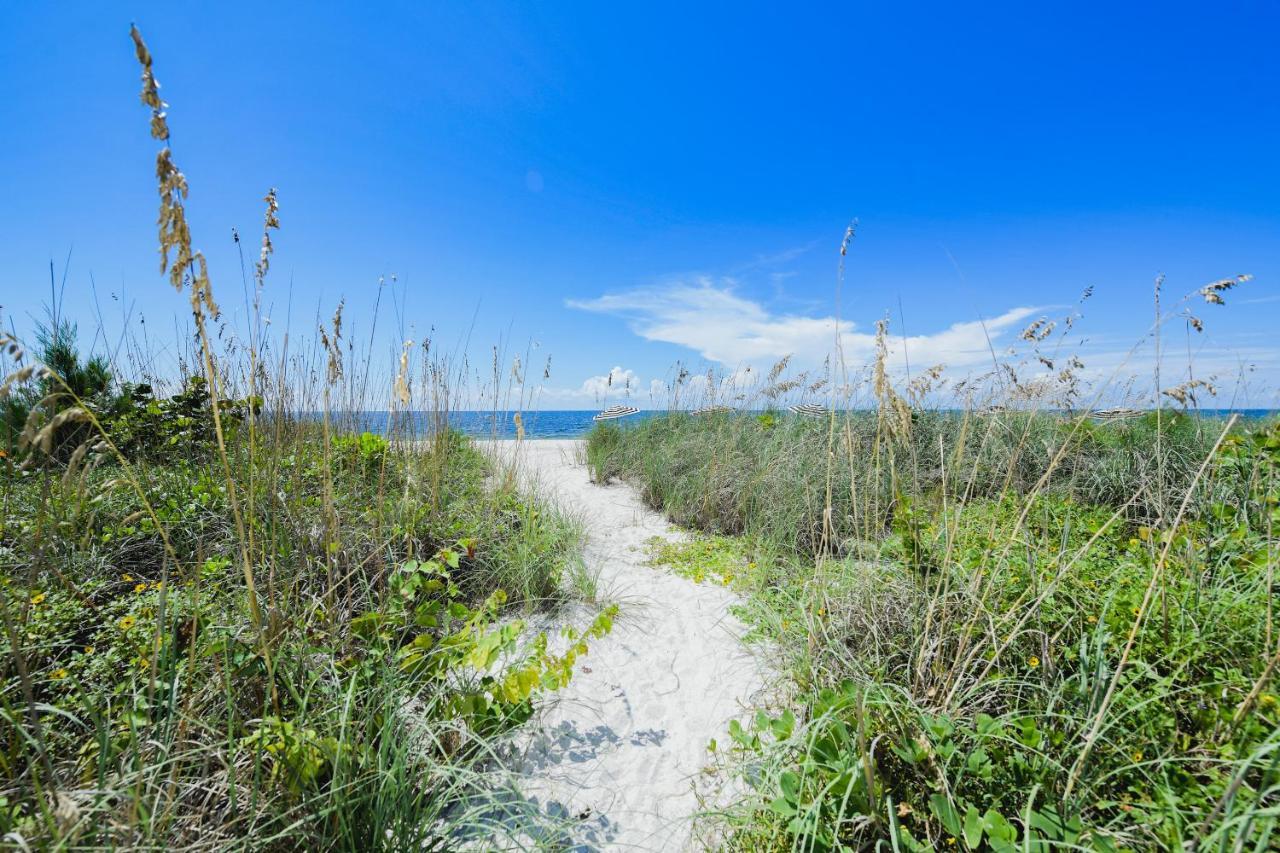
(709, 317)
(784, 256)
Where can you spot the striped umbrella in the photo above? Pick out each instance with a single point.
(711, 410)
(1116, 414)
(810, 409)
(615, 412)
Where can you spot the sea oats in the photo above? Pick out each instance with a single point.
(1186, 391)
(919, 387)
(1038, 330)
(778, 368)
(270, 221)
(892, 407)
(848, 237)
(1213, 291)
(331, 341)
(401, 387)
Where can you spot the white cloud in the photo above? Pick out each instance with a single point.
(707, 316)
(618, 382)
(714, 321)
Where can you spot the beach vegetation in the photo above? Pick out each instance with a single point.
(234, 618)
(1003, 629)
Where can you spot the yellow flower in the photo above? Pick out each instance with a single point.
(143, 663)
(37, 598)
(1136, 611)
(88, 650)
(126, 623)
(1267, 701)
(126, 578)
(59, 674)
(1033, 661)
(1137, 755)
(142, 587)
(1093, 620)
(158, 585)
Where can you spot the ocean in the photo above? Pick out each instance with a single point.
(489, 424)
(574, 423)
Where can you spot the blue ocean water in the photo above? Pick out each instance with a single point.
(491, 424)
(566, 424)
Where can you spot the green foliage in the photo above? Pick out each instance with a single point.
(143, 426)
(66, 380)
(128, 414)
(295, 756)
(366, 448)
(949, 664)
(702, 558)
(391, 583)
(602, 451)
(770, 475)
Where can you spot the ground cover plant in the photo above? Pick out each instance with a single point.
(231, 621)
(1004, 629)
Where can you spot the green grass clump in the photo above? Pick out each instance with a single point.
(1083, 659)
(229, 621)
(770, 476)
(141, 705)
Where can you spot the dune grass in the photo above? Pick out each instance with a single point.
(142, 707)
(234, 620)
(1008, 631)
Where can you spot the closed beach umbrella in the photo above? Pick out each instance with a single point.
(711, 410)
(810, 409)
(615, 412)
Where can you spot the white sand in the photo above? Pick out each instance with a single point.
(619, 754)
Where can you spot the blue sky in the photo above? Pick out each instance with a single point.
(632, 185)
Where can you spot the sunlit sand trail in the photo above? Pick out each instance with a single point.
(620, 753)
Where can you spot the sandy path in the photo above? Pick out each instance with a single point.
(617, 754)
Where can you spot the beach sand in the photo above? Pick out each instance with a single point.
(619, 755)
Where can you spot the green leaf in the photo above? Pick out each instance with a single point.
(946, 814)
(783, 726)
(999, 830)
(789, 782)
(973, 828)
